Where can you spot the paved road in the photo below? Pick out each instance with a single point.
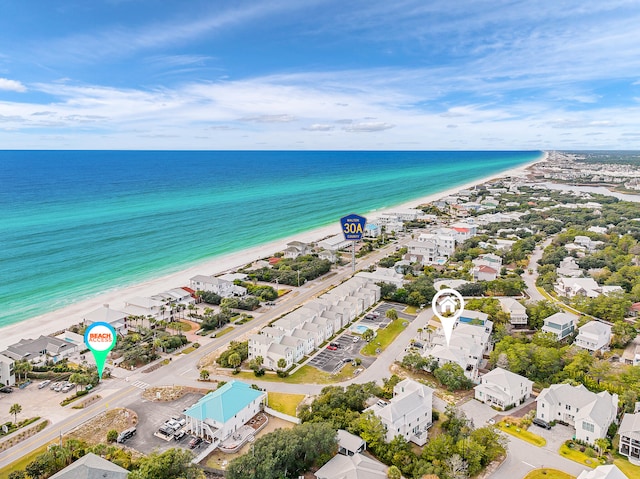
(530, 279)
(524, 457)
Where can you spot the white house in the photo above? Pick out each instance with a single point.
(560, 324)
(7, 373)
(117, 319)
(516, 311)
(220, 413)
(589, 413)
(593, 336)
(296, 248)
(147, 307)
(91, 466)
(357, 466)
(502, 388)
(484, 273)
(219, 286)
(629, 431)
(408, 413)
(610, 471)
(571, 287)
(334, 243)
(488, 259)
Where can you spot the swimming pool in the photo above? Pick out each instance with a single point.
(359, 328)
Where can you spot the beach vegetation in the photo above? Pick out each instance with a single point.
(293, 271)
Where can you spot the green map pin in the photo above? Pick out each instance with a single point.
(100, 338)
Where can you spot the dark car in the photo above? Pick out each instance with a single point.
(126, 434)
(541, 423)
(194, 442)
(337, 345)
(6, 389)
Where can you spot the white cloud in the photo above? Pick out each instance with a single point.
(12, 85)
(318, 127)
(368, 126)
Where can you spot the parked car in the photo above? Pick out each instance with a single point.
(44, 384)
(54, 386)
(356, 339)
(175, 425)
(369, 316)
(59, 387)
(68, 387)
(180, 434)
(331, 348)
(194, 442)
(126, 434)
(541, 423)
(6, 389)
(337, 345)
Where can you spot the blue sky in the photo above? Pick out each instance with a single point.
(319, 74)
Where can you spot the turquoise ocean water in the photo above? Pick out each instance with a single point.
(74, 224)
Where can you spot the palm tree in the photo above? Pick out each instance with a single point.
(392, 314)
(235, 360)
(282, 363)
(15, 409)
(204, 374)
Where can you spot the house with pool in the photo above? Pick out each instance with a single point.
(468, 345)
(222, 413)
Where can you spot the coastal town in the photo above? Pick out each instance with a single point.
(304, 363)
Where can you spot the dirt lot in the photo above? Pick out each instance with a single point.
(95, 430)
(217, 458)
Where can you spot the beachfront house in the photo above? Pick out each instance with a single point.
(334, 243)
(91, 466)
(296, 248)
(589, 413)
(150, 309)
(516, 311)
(593, 336)
(219, 286)
(560, 324)
(220, 413)
(7, 372)
(503, 389)
(38, 351)
(629, 431)
(117, 319)
(408, 413)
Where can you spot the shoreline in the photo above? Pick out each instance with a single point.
(67, 316)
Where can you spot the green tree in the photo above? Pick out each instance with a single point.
(204, 374)
(17, 475)
(282, 363)
(451, 375)
(170, 464)
(392, 314)
(235, 360)
(394, 473)
(15, 409)
(112, 435)
(623, 334)
(368, 335)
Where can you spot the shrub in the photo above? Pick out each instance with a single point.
(112, 435)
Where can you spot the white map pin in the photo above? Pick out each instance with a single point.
(448, 301)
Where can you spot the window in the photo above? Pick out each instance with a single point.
(587, 426)
(568, 407)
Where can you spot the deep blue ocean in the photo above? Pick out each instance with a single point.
(74, 224)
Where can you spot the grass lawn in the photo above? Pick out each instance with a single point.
(411, 310)
(632, 472)
(179, 326)
(577, 456)
(523, 434)
(385, 337)
(223, 332)
(187, 350)
(285, 403)
(306, 374)
(21, 463)
(548, 474)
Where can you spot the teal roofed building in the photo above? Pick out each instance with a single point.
(222, 412)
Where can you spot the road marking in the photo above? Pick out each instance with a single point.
(185, 371)
(140, 385)
(530, 465)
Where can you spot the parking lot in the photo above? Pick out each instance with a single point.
(347, 351)
(152, 415)
(381, 319)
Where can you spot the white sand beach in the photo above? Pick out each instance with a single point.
(60, 319)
